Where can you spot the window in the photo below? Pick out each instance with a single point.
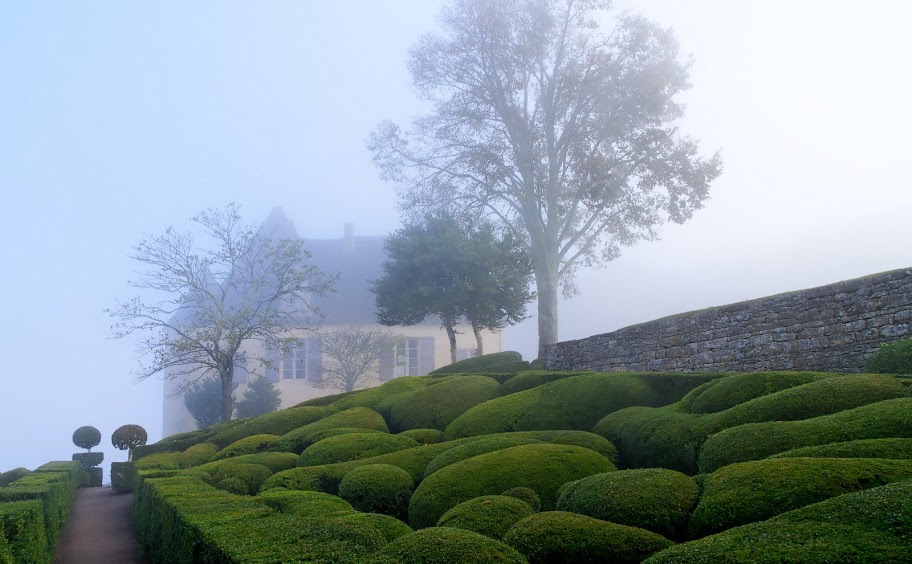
(294, 360)
(463, 354)
(408, 358)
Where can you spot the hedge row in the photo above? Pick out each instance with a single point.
(446, 545)
(296, 440)
(898, 449)
(489, 515)
(480, 364)
(436, 406)
(727, 392)
(353, 446)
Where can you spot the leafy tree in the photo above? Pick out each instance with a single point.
(203, 400)
(245, 286)
(352, 357)
(86, 437)
(566, 135)
(128, 437)
(891, 358)
(260, 397)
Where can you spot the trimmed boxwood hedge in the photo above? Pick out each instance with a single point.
(23, 534)
(275, 423)
(424, 436)
(251, 475)
(373, 397)
(490, 515)
(544, 468)
(532, 379)
(481, 445)
(304, 504)
(479, 364)
(444, 545)
(378, 488)
(197, 454)
(89, 459)
(436, 406)
(867, 526)
(899, 449)
(54, 486)
(559, 537)
(724, 393)
(122, 474)
(13, 475)
(275, 461)
(653, 438)
(248, 445)
(158, 461)
(654, 499)
(527, 495)
(755, 491)
(752, 441)
(353, 446)
(389, 527)
(356, 417)
(576, 402)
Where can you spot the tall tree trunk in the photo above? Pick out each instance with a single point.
(480, 350)
(451, 334)
(226, 375)
(546, 286)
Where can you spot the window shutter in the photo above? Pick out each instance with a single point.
(426, 350)
(272, 370)
(386, 363)
(315, 359)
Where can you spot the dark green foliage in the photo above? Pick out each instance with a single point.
(301, 437)
(275, 461)
(181, 441)
(437, 406)
(671, 387)
(373, 397)
(724, 393)
(305, 504)
(89, 459)
(900, 449)
(378, 488)
(260, 397)
(247, 445)
(752, 441)
(304, 439)
(54, 486)
(324, 401)
(543, 468)
(233, 485)
(577, 402)
(479, 364)
(654, 499)
(444, 545)
(867, 526)
(481, 445)
(158, 461)
(12, 475)
(93, 477)
(129, 436)
(203, 399)
(527, 495)
(122, 477)
(197, 454)
(531, 379)
(276, 423)
(23, 533)
(86, 437)
(389, 527)
(490, 515)
(251, 475)
(755, 491)
(558, 537)
(891, 358)
(353, 446)
(424, 436)
(653, 438)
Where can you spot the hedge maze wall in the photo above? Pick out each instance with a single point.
(830, 328)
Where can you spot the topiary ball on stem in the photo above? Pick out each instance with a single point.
(86, 437)
(127, 437)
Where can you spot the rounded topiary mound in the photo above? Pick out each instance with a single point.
(755, 491)
(197, 454)
(353, 446)
(86, 437)
(378, 488)
(389, 527)
(437, 405)
(480, 446)
(479, 364)
(898, 449)
(424, 436)
(527, 495)
(305, 504)
(233, 485)
(532, 379)
(247, 445)
(127, 437)
(724, 393)
(252, 475)
(653, 438)
(300, 438)
(891, 358)
(275, 461)
(11, 476)
(275, 423)
(490, 515)
(543, 468)
(654, 499)
(559, 537)
(443, 545)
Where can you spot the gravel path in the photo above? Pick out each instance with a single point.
(99, 530)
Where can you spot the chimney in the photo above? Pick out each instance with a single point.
(348, 244)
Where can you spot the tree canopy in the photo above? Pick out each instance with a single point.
(565, 134)
(260, 397)
(203, 399)
(241, 286)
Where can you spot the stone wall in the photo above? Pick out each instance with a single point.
(831, 328)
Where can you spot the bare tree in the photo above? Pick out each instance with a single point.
(246, 286)
(565, 135)
(353, 357)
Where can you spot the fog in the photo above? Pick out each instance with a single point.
(120, 119)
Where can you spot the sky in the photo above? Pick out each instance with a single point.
(119, 119)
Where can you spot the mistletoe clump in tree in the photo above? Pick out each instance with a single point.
(567, 135)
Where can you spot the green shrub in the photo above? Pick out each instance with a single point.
(753, 441)
(543, 468)
(424, 436)
(388, 527)
(252, 475)
(353, 446)
(357, 417)
(89, 459)
(93, 477)
(490, 515)
(436, 406)
(54, 485)
(275, 423)
(275, 461)
(653, 438)
(443, 545)
(481, 445)
(479, 364)
(127, 437)
(576, 402)
(378, 488)
(532, 379)
(724, 393)
(305, 504)
(86, 437)
(755, 491)
(899, 449)
(233, 485)
(248, 445)
(527, 495)
(672, 387)
(158, 461)
(23, 529)
(891, 358)
(654, 499)
(201, 474)
(197, 454)
(122, 477)
(13, 475)
(867, 526)
(556, 537)
(373, 397)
